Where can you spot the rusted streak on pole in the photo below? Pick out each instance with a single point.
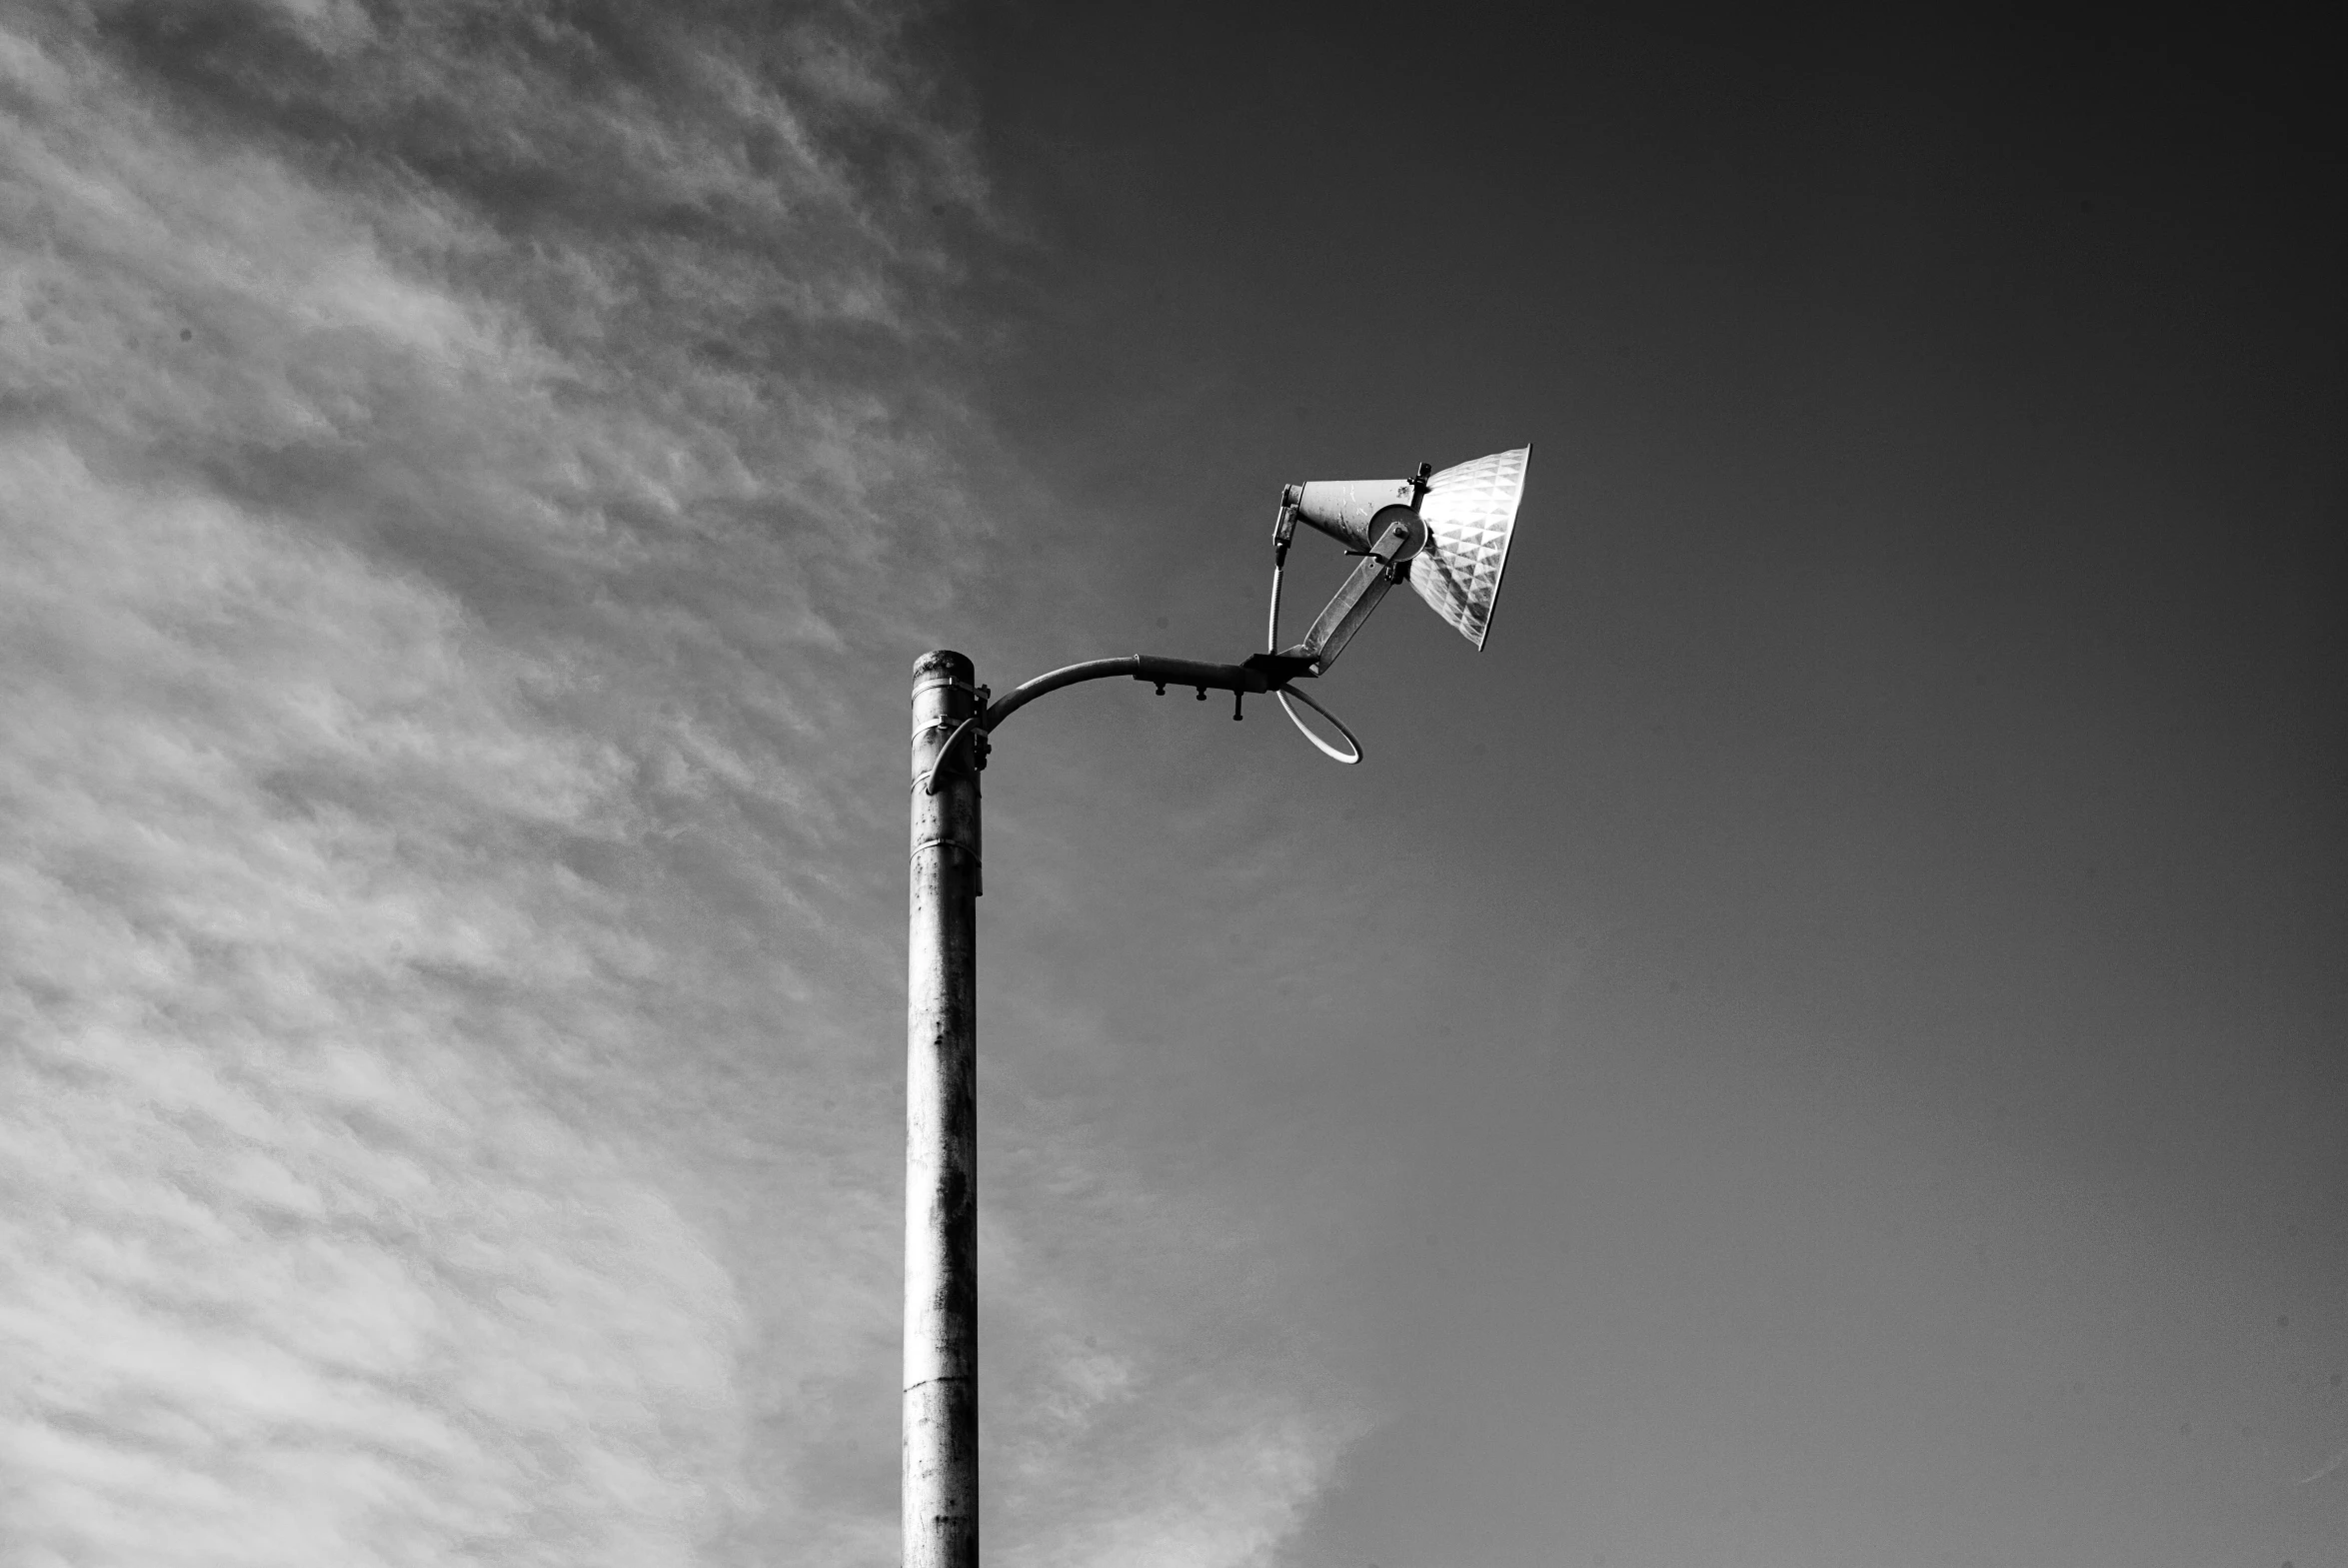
(939, 1495)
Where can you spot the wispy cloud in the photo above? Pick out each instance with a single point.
(457, 461)
(2328, 1467)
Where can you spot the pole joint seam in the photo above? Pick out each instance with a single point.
(950, 844)
(947, 1377)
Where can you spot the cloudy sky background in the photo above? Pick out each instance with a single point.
(1823, 1045)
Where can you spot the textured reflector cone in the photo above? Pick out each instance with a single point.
(1471, 512)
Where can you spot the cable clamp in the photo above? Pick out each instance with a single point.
(946, 752)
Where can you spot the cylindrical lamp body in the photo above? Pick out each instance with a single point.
(939, 1495)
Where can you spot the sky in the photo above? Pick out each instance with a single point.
(1821, 1046)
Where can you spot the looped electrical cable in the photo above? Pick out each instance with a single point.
(1327, 749)
(1271, 641)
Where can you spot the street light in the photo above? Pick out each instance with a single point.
(1448, 535)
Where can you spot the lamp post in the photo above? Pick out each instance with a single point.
(1450, 557)
(941, 1458)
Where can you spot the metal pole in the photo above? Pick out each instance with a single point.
(940, 1494)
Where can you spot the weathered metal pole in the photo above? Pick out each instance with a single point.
(940, 1494)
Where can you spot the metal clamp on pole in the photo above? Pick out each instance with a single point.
(976, 731)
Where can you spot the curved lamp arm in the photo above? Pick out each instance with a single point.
(1262, 672)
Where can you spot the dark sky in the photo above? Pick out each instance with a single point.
(1832, 1023)
(1821, 1046)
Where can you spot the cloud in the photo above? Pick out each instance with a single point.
(459, 461)
(301, 1263)
(1142, 1422)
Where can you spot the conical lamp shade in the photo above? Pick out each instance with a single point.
(1471, 512)
(1342, 507)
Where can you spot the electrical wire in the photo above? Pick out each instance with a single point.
(1327, 749)
(1271, 638)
